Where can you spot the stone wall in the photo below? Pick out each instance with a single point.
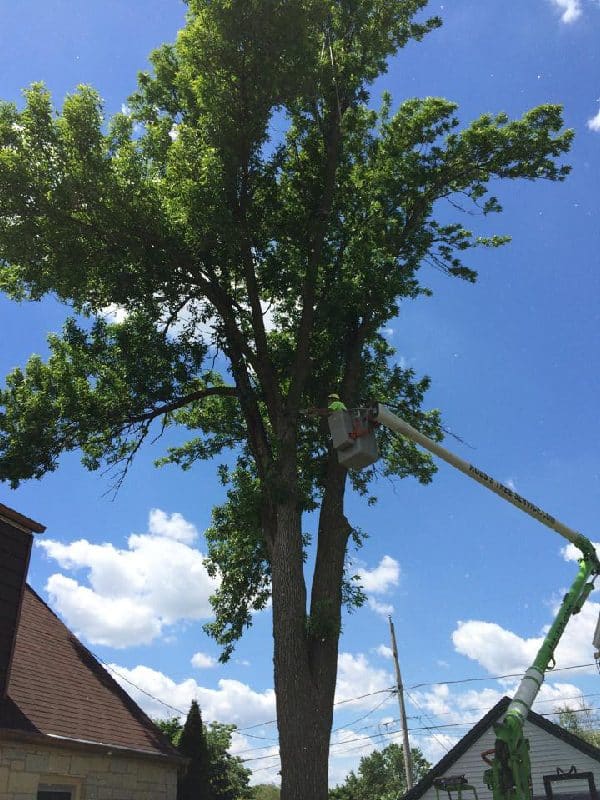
(24, 768)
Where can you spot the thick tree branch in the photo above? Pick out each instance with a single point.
(301, 360)
(211, 391)
(263, 364)
(238, 352)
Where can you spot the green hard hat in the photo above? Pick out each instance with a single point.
(334, 396)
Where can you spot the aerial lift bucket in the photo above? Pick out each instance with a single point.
(353, 436)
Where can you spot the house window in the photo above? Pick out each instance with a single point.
(47, 792)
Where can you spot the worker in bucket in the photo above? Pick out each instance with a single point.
(334, 403)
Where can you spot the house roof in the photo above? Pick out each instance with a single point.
(53, 687)
(19, 521)
(58, 689)
(15, 548)
(493, 715)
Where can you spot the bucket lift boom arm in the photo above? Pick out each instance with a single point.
(509, 773)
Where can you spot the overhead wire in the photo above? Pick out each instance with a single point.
(435, 737)
(368, 714)
(423, 730)
(388, 691)
(495, 677)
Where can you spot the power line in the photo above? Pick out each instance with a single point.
(387, 690)
(431, 727)
(337, 703)
(110, 668)
(424, 729)
(364, 716)
(495, 677)
(439, 741)
(346, 700)
(475, 709)
(333, 730)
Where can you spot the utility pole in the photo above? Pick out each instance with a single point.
(400, 693)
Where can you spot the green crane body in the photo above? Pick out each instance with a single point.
(509, 776)
(509, 773)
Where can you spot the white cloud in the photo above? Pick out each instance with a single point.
(435, 746)
(356, 677)
(467, 707)
(382, 578)
(236, 702)
(173, 526)
(384, 651)
(133, 593)
(571, 553)
(571, 9)
(498, 650)
(384, 609)
(113, 621)
(203, 661)
(379, 581)
(231, 702)
(594, 123)
(501, 651)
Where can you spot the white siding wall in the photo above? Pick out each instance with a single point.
(547, 752)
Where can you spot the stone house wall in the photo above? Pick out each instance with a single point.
(27, 767)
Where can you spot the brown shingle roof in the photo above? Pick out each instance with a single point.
(15, 547)
(20, 520)
(57, 688)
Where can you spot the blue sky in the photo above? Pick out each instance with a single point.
(472, 582)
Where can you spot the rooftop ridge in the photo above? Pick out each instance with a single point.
(19, 520)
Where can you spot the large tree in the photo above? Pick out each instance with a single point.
(254, 271)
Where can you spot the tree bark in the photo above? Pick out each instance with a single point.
(303, 713)
(306, 647)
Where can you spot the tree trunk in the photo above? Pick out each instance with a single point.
(303, 707)
(306, 648)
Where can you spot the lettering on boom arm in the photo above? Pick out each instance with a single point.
(499, 487)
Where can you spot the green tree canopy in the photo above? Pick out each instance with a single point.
(266, 791)
(254, 273)
(381, 775)
(581, 722)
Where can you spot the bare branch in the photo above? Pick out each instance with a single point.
(210, 391)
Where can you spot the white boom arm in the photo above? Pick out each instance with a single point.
(382, 415)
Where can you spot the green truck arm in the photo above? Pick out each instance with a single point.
(509, 773)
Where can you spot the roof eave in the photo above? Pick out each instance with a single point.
(20, 521)
(54, 740)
